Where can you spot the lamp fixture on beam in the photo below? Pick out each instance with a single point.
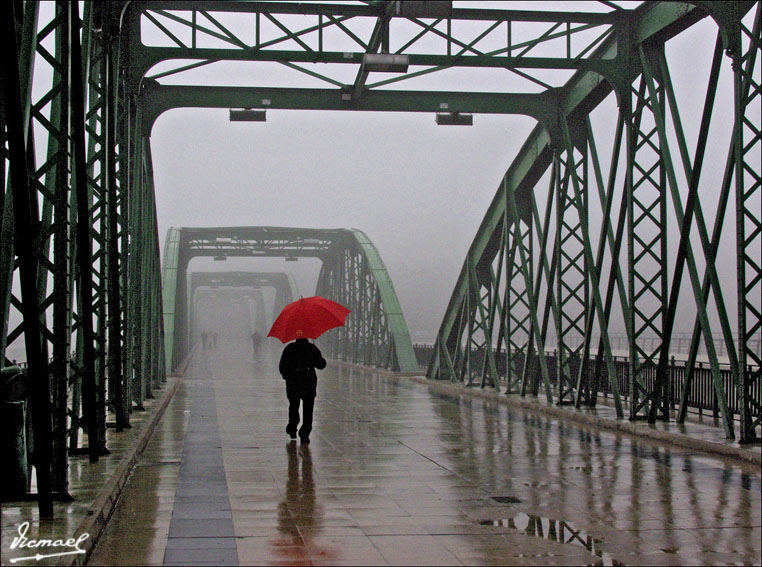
(247, 115)
(385, 62)
(220, 258)
(454, 119)
(423, 8)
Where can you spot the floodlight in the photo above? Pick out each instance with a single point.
(423, 9)
(385, 62)
(247, 115)
(454, 119)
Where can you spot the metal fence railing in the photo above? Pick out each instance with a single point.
(701, 394)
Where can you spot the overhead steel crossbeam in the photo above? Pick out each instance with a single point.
(373, 303)
(312, 39)
(563, 281)
(263, 241)
(194, 30)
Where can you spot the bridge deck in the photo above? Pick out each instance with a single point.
(398, 475)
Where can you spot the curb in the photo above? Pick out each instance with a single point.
(101, 509)
(183, 366)
(636, 429)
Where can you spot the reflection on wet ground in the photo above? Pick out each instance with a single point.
(398, 475)
(555, 530)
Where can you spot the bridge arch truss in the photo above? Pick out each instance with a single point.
(352, 274)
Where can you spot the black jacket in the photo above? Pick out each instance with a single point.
(298, 363)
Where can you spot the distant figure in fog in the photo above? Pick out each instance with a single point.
(297, 366)
(256, 341)
(204, 338)
(214, 340)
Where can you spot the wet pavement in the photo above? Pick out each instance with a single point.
(397, 475)
(91, 485)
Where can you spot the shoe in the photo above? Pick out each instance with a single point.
(305, 440)
(291, 434)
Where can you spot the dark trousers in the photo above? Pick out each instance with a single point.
(308, 403)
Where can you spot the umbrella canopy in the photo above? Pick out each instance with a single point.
(308, 318)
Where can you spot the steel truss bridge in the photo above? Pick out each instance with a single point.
(81, 286)
(352, 274)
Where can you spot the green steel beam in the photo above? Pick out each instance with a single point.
(170, 264)
(156, 99)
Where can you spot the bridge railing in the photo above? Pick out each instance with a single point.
(701, 395)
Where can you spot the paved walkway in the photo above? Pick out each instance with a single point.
(396, 474)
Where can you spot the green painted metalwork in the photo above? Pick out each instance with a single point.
(634, 246)
(375, 333)
(352, 274)
(72, 219)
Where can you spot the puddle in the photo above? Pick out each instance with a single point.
(506, 499)
(558, 531)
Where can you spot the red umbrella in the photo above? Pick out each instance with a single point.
(308, 318)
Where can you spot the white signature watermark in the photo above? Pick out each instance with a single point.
(22, 542)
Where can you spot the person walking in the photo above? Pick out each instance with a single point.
(204, 337)
(256, 341)
(297, 366)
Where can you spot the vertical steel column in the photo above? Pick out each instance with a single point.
(747, 145)
(57, 184)
(685, 256)
(25, 236)
(572, 285)
(114, 294)
(526, 262)
(95, 72)
(606, 197)
(85, 336)
(647, 241)
(517, 331)
(579, 194)
(546, 271)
